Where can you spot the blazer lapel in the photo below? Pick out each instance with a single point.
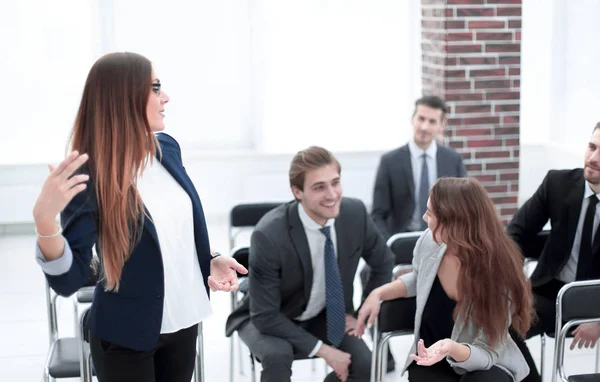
(344, 249)
(298, 236)
(572, 210)
(405, 162)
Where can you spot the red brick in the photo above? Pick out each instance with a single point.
(518, 35)
(514, 71)
(516, 83)
(450, 12)
(455, 24)
(516, 11)
(509, 176)
(459, 36)
(486, 178)
(465, 132)
(477, 61)
(466, 48)
(475, 12)
(466, 155)
(460, 109)
(510, 211)
(510, 119)
(453, 97)
(516, 153)
(506, 131)
(503, 48)
(488, 72)
(464, 2)
(504, 199)
(457, 85)
(516, 95)
(494, 36)
(514, 24)
(506, 108)
(450, 61)
(496, 189)
(509, 60)
(474, 143)
(492, 154)
(504, 1)
(487, 24)
(432, 24)
(456, 144)
(511, 142)
(492, 84)
(458, 73)
(474, 167)
(502, 165)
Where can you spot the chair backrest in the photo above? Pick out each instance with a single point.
(402, 245)
(242, 255)
(576, 304)
(247, 215)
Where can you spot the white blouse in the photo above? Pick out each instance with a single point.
(186, 301)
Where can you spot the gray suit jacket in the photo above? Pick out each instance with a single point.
(506, 355)
(280, 271)
(393, 194)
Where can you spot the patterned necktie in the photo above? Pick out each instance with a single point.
(586, 270)
(334, 295)
(423, 189)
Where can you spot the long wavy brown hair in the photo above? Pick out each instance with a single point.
(493, 291)
(112, 128)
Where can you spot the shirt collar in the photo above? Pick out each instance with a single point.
(416, 152)
(308, 222)
(588, 191)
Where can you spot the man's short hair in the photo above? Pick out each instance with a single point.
(596, 127)
(433, 102)
(309, 159)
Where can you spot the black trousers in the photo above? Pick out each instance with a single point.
(171, 360)
(544, 298)
(276, 354)
(442, 372)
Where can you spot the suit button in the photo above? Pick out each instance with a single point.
(158, 296)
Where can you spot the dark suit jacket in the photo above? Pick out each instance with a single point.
(559, 199)
(280, 273)
(393, 194)
(131, 317)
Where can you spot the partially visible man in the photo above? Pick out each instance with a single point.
(568, 199)
(303, 260)
(405, 174)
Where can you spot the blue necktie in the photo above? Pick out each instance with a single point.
(424, 190)
(334, 295)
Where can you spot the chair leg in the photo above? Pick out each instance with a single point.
(597, 358)
(231, 357)
(199, 362)
(240, 354)
(252, 368)
(543, 354)
(374, 359)
(381, 356)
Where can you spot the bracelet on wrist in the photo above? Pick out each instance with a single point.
(49, 236)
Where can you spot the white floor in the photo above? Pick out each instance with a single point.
(24, 334)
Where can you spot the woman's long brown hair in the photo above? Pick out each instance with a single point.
(112, 128)
(492, 287)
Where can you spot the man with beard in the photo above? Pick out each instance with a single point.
(568, 198)
(303, 260)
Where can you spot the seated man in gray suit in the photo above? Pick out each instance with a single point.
(303, 260)
(405, 175)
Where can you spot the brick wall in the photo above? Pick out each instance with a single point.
(472, 59)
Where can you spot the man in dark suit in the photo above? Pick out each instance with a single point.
(568, 198)
(303, 260)
(405, 175)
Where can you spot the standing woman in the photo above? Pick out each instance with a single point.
(124, 190)
(471, 289)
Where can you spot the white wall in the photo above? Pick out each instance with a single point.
(560, 81)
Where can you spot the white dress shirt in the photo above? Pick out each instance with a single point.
(185, 299)
(316, 245)
(416, 162)
(569, 271)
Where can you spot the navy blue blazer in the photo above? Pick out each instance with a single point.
(131, 317)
